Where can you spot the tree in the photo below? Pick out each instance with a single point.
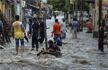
(60, 5)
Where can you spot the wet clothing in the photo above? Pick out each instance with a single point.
(54, 47)
(89, 25)
(74, 33)
(63, 27)
(63, 35)
(35, 35)
(63, 30)
(56, 28)
(1, 26)
(17, 42)
(30, 28)
(74, 29)
(74, 24)
(18, 26)
(42, 35)
(59, 43)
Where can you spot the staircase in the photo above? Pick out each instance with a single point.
(7, 28)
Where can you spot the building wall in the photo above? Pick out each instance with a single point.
(6, 9)
(96, 14)
(2, 6)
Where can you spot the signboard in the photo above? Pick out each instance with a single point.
(71, 1)
(104, 8)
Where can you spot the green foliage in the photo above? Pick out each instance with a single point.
(61, 5)
(86, 5)
(64, 5)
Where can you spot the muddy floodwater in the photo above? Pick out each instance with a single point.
(77, 54)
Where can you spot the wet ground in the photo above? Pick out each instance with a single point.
(77, 54)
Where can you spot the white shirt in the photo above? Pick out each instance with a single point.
(63, 27)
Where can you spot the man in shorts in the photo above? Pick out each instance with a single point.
(18, 30)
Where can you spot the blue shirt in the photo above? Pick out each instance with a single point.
(21, 26)
(74, 24)
(59, 43)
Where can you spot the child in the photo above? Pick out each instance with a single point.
(57, 40)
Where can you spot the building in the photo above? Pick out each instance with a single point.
(94, 9)
(5, 9)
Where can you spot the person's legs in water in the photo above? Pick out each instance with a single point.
(36, 41)
(32, 43)
(42, 38)
(17, 45)
(64, 35)
(22, 45)
(75, 33)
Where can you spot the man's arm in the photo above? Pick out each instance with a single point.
(39, 32)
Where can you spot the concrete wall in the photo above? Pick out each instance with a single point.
(2, 6)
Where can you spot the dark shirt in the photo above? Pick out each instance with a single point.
(54, 47)
(42, 26)
(35, 29)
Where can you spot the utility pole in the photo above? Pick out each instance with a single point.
(101, 32)
(21, 10)
(46, 44)
(80, 12)
(83, 2)
(76, 2)
(15, 7)
(73, 8)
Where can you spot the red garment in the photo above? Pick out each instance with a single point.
(89, 25)
(56, 28)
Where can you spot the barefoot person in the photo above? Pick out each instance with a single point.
(57, 40)
(56, 28)
(74, 28)
(18, 30)
(35, 34)
(63, 29)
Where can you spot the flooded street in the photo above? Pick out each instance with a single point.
(77, 54)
